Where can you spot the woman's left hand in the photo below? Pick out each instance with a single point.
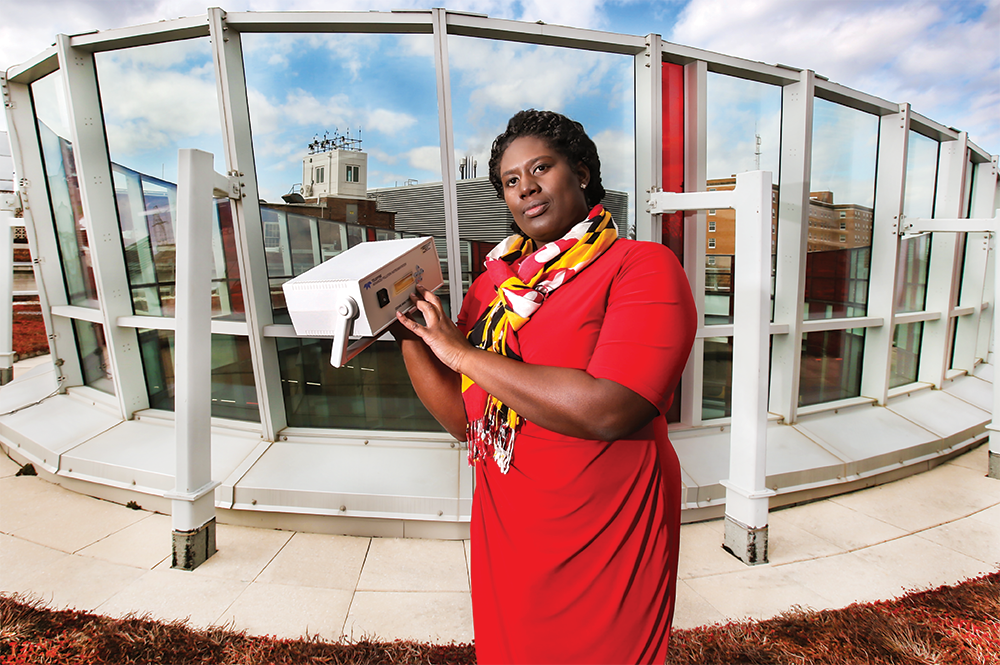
(440, 333)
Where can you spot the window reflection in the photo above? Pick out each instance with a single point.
(841, 211)
(743, 134)
(95, 361)
(831, 365)
(905, 353)
(717, 382)
(918, 201)
(156, 100)
(371, 392)
(65, 199)
(234, 392)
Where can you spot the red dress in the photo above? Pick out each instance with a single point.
(574, 550)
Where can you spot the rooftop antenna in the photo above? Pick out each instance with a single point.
(756, 153)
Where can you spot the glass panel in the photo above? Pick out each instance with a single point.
(743, 134)
(493, 80)
(905, 353)
(372, 392)
(918, 201)
(64, 190)
(717, 390)
(234, 393)
(94, 358)
(346, 146)
(841, 211)
(156, 100)
(831, 365)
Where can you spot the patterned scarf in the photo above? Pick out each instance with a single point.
(519, 295)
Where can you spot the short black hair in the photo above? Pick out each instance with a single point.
(564, 135)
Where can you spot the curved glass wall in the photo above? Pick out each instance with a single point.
(346, 134)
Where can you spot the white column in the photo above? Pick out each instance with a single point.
(6, 290)
(695, 169)
(227, 53)
(747, 495)
(41, 230)
(193, 498)
(793, 238)
(974, 285)
(890, 181)
(97, 193)
(448, 166)
(648, 69)
(943, 273)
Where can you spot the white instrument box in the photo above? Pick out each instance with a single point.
(359, 291)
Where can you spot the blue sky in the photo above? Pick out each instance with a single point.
(943, 57)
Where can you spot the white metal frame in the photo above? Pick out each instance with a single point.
(747, 494)
(970, 335)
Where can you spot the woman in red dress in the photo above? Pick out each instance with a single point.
(558, 372)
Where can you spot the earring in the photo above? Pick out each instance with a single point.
(583, 185)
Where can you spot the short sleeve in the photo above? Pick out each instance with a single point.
(480, 295)
(649, 327)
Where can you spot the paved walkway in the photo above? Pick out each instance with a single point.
(71, 550)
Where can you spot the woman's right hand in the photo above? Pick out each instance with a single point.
(440, 333)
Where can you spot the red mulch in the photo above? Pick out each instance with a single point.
(951, 625)
(29, 329)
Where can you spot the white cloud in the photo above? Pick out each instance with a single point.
(426, 158)
(929, 53)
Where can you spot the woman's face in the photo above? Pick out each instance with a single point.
(545, 193)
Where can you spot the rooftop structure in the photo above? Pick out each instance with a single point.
(879, 352)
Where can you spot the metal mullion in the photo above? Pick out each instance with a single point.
(448, 166)
(470, 25)
(227, 54)
(97, 193)
(395, 22)
(793, 234)
(171, 30)
(890, 179)
(648, 73)
(695, 169)
(40, 226)
(942, 273)
(984, 205)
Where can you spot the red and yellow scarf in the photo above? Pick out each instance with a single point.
(492, 425)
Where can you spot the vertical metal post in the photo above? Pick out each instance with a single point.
(747, 495)
(227, 55)
(695, 169)
(993, 463)
(648, 135)
(6, 290)
(943, 276)
(38, 222)
(793, 238)
(974, 291)
(448, 177)
(97, 193)
(890, 179)
(193, 498)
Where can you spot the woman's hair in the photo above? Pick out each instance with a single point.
(565, 135)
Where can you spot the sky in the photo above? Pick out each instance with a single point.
(941, 56)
